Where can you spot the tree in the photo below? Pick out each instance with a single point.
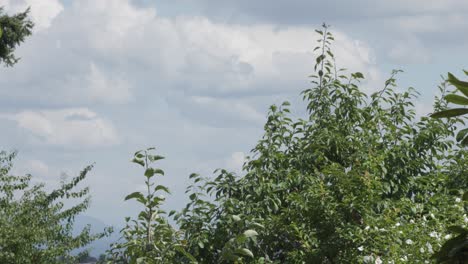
(13, 30)
(455, 250)
(359, 179)
(36, 226)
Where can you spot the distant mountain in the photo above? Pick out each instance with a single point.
(100, 246)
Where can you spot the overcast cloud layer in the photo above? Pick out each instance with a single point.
(99, 80)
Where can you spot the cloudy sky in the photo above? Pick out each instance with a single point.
(100, 79)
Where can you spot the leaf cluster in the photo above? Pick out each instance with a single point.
(36, 226)
(13, 30)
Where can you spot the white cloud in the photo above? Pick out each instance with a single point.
(113, 52)
(102, 88)
(70, 127)
(43, 12)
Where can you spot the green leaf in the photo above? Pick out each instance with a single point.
(193, 196)
(462, 134)
(464, 142)
(358, 75)
(149, 172)
(457, 230)
(456, 99)
(162, 188)
(450, 113)
(137, 161)
(462, 86)
(236, 218)
(186, 254)
(465, 196)
(134, 195)
(158, 171)
(244, 252)
(155, 157)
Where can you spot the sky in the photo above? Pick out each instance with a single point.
(99, 80)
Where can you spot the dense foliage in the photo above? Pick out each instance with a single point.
(36, 226)
(359, 180)
(149, 238)
(455, 250)
(13, 30)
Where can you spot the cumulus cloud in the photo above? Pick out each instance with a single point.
(113, 51)
(78, 127)
(112, 89)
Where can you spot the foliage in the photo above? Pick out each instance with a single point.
(149, 238)
(36, 227)
(455, 250)
(360, 179)
(13, 30)
(215, 235)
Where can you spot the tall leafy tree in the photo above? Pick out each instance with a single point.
(13, 30)
(359, 179)
(36, 225)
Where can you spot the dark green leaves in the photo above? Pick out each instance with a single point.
(161, 188)
(456, 99)
(135, 195)
(35, 227)
(455, 250)
(357, 75)
(450, 113)
(149, 237)
(462, 135)
(13, 30)
(462, 86)
(137, 161)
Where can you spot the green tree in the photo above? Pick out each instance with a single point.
(455, 250)
(13, 30)
(36, 226)
(149, 238)
(359, 179)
